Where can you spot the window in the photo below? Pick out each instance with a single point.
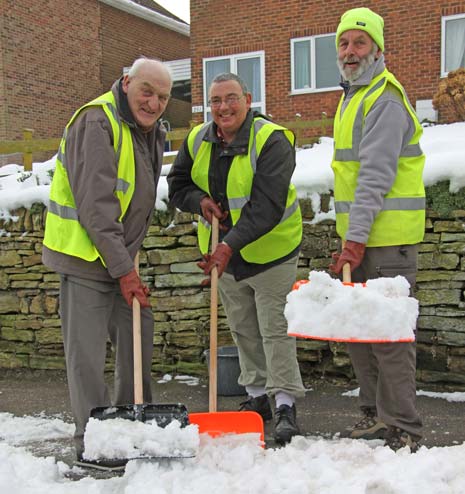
(313, 64)
(250, 67)
(452, 43)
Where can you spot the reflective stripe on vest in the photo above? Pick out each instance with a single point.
(285, 236)
(401, 219)
(63, 232)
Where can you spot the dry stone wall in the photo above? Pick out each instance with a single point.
(30, 335)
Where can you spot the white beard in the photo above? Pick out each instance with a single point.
(364, 63)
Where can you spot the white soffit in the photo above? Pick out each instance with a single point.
(180, 69)
(149, 15)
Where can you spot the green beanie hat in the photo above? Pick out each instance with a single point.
(363, 19)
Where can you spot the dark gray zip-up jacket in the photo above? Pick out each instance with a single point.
(92, 172)
(267, 202)
(387, 129)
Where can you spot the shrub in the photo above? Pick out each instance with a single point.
(451, 93)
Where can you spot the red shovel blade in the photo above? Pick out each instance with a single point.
(220, 423)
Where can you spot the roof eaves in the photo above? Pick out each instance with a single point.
(149, 15)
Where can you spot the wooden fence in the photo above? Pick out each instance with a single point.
(27, 146)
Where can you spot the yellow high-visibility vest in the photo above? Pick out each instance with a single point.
(402, 217)
(63, 232)
(287, 234)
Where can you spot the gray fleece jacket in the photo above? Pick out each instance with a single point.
(92, 173)
(387, 130)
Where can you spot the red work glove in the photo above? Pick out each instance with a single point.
(210, 208)
(131, 286)
(352, 253)
(219, 258)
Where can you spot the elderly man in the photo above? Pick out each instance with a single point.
(248, 189)
(101, 203)
(380, 203)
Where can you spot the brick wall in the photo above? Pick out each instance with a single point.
(51, 63)
(125, 38)
(59, 54)
(412, 43)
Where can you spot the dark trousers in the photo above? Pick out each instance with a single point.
(91, 313)
(386, 371)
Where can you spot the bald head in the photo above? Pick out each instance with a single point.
(148, 87)
(149, 64)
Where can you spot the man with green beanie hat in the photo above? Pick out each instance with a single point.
(380, 216)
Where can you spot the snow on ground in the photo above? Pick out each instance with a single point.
(325, 308)
(235, 464)
(442, 145)
(454, 397)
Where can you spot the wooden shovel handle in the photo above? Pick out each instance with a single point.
(212, 390)
(137, 345)
(346, 275)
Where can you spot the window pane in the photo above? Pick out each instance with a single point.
(213, 68)
(455, 44)
(248, 69)
(302, 64)
(327, 73)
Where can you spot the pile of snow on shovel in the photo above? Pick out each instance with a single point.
(325, 308)
(120, 438)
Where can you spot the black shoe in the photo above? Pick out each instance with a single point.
(285, 424)
(103, 464)
(397, 439)
(260, 404)
(370, 427)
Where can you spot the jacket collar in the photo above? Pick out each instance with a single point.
(242, 136)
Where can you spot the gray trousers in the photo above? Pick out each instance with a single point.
(255, 311)
(91, 313)
(386, 371)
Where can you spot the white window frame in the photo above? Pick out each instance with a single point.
(312, 88)
(233, 68)
(444, 19)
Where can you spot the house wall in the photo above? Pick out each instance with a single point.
(51, 63)
(122, 45)
(412, 43)
(59, 54)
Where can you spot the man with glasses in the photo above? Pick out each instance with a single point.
(380, 213)
(238, 168)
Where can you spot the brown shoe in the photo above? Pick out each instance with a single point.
(397, 439)
(370, 427)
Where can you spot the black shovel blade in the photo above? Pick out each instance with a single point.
(163, 413)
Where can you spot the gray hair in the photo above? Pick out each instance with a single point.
(229, 76)
(142, 61)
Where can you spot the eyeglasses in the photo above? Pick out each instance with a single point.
(229, 101)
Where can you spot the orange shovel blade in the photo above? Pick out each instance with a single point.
(220, 423)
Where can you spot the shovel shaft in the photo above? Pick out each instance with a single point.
(212, 398)
(346, 275)
(137, 345)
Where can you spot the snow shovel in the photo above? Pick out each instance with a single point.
(352, 324)
(162, 414)
(216, 423)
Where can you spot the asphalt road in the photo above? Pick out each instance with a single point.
(323, 412)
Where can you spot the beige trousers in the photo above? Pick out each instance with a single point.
(255, 311)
